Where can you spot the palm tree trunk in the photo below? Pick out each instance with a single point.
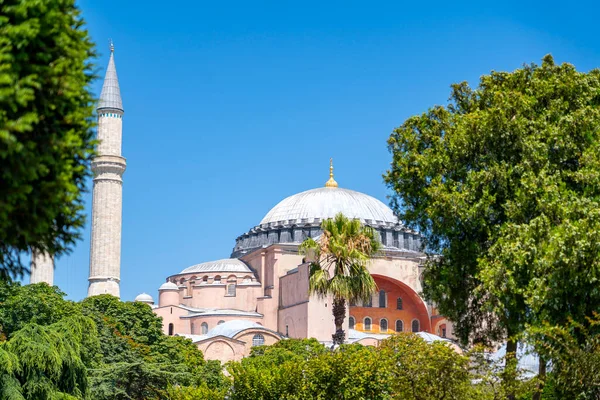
(339, 314)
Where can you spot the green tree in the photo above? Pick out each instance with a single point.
(46, 110)
(403, 367)
(39, 304)
(118, 346)
(419, 370)
(48, 362)
(574, 349)
(339, 266)
(202, 392)
(503, 184)
(137, 360)
(272, 372)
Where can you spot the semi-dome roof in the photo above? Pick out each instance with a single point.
(326, 202)
(224, 265)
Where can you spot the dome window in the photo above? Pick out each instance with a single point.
(258, 340)
(217, 279)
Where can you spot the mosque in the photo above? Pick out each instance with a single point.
(259, 294)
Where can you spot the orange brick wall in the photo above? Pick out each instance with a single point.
(410, 309)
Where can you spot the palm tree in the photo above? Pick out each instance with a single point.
(340, 262)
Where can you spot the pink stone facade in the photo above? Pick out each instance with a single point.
(261, 294)
(274, 296)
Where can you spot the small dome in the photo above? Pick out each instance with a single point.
(168, 286)
(225, 265)
(326, 202)
(144, 298)
(232, 328)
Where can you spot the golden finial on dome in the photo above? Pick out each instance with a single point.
(331, 183)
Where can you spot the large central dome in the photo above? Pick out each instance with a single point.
(300, 216)
(323, 203)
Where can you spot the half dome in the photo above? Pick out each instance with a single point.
(323, 203)
(224, 265)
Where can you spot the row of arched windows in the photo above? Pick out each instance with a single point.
(203, 327)
(383, 324)
(257, 340)
(216, 279)
(383, 301)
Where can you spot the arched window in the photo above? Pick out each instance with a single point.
(217, 279)
(192, 328)
(247, 279)
(415, 325)
(170, 329)
(399, 303)
(367, 324)
(382, 299)
(205, 279)
(442, 330)
(383, 325)
(220, 322)
(258, 340)
(204, 328)
(399, 325)
(231, 289)
(351, 322)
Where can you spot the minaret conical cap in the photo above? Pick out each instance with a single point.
(111, 93)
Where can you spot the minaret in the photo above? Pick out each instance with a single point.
(42, 268)
(108, 168)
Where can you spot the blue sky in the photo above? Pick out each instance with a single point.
(232, 106)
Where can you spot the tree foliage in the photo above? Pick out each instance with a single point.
(503, 183)
(403, 367)
(46, 110)
(101, 348)
(339, 266)
(574, 351)
(47, 362)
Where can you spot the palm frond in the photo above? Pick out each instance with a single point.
(341, 257)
